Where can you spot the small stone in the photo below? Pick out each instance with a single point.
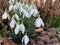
(39, 30)
(44, 33)
(45, 38)
(50, 34)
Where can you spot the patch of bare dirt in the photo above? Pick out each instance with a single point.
(48, 37)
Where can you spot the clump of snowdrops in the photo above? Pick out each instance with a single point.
(24, 19)
(4, 27)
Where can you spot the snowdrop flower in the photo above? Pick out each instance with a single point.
(12, 23)
(16, 16)
(25, 39)
(31, 12)
(26, 14)
(27, 6)
(39, 22)
(5, 16)
(22, 27)
(16, 6)
(21, 9)
(17, 29)
(10, 7)
(30, 8)
(20, 4)
(11, 1)
(35, 12)
(23, 4)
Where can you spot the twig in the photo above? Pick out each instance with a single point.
(2, 11)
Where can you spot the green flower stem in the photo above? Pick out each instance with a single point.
(38, 16)
(5, 30)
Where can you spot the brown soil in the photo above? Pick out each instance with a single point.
(48, 37)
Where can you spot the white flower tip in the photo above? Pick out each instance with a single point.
(39, 22)
(11, 1)
(16, 16)
(25, 39)
(10, 8)
(5, 16)
(17, 29)
(27, 6)
(22, 27)
(35, 12)
(26, 14)
(12, 23)
(42, 24)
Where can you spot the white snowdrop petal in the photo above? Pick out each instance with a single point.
(5, 16)
(11, 1)
(39, 22)
(22, 27)
(8, 17)
(26, 14)
(16, 16)
(30, 8)
(16, 6)
(21, 9)
(27, 6)
(31, 12)
(35, 12)
(10, 7)
(12, 23)
(42, 22)
(22, 39)
(20, 4)
(17, 29)
(25, 39)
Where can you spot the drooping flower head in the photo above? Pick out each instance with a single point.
(19, 27)
(25, 39)
(5, 16)
(39, 22)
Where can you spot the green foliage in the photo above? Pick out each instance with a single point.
(24, 18)
(57, 30)
(29, 24)
(4, 30)
(54, 22)
(17, 38)
(57, 21)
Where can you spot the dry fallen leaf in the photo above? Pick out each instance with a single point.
(6, 41)
(1, 40)
(39, 30)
